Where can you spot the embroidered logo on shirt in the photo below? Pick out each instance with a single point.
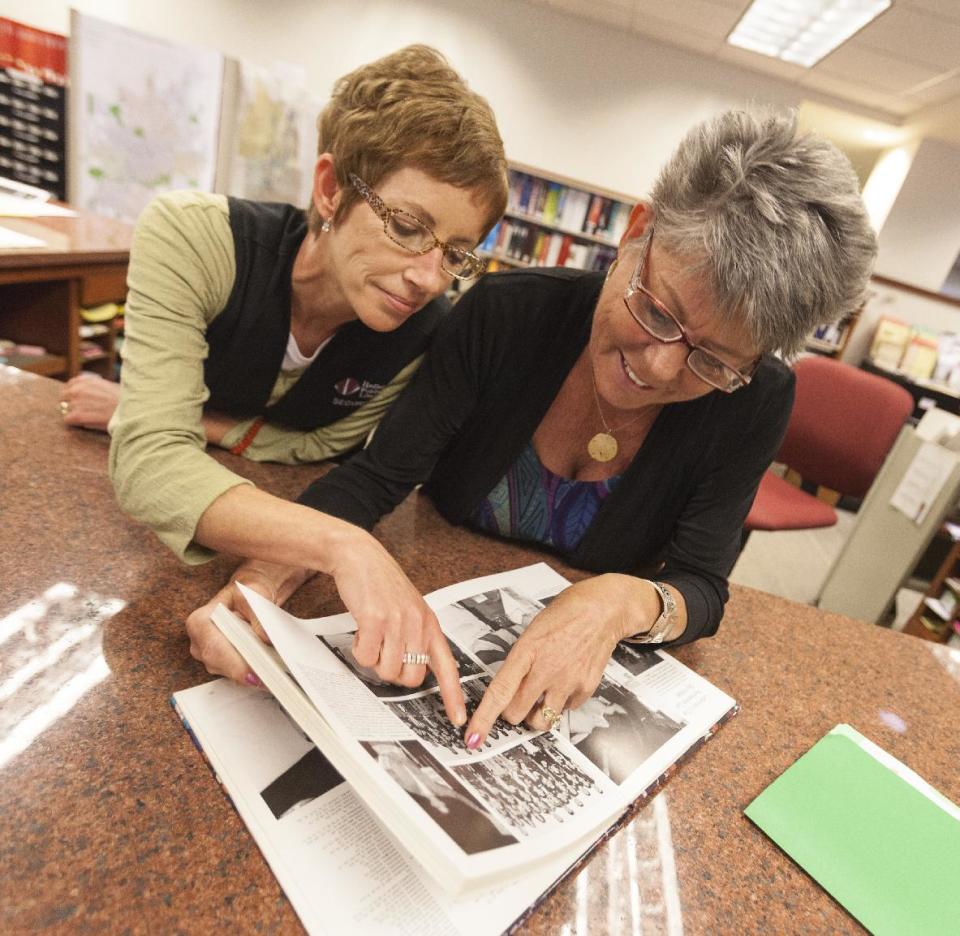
(347, 387)
(352, 392)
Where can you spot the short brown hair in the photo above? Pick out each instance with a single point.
(411, 109)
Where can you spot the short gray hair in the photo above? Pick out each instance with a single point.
(776, 219)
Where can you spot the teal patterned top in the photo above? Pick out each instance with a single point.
(530, 502)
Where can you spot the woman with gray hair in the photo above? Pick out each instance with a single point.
(626, 421)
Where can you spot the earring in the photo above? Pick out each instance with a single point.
(325, 227)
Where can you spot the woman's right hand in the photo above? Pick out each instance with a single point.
(90, 401)
(393, 619)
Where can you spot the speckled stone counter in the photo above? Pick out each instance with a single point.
(112, 822)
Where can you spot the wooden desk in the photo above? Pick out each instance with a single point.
(42, 290)
(112, 821)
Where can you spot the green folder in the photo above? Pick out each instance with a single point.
(873, 833)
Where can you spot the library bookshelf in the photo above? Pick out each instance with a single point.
(552, 220)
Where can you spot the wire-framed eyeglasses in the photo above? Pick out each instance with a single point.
(658, 322)
(410, 233)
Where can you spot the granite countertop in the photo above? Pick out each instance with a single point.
(112, 821)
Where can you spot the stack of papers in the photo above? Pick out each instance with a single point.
(18, 200)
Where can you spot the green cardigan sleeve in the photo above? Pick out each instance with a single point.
(182, 269)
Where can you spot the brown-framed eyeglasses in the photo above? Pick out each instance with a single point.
(658, 322)
(410, 233)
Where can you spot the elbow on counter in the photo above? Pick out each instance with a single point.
(166, 481)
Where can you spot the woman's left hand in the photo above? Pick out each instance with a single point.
(88, 400)
(558, 661)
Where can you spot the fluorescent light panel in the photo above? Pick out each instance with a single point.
(802, 31)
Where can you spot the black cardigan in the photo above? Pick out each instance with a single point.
(495, 366)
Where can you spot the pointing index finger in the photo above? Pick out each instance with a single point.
(503, 687)
(444, 667)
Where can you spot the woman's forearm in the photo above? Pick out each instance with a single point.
(248, 522)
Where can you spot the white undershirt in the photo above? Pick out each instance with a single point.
(295, 359)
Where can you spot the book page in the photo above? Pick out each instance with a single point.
(14, 240)
(313, 828)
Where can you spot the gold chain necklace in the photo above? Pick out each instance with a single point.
(603, 446)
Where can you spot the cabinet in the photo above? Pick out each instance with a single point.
(938, 614)
(83, 263)
(552, 220)
(100, 340)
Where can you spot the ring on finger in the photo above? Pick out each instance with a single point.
(551, 717)
(416, 659)
(64, 408)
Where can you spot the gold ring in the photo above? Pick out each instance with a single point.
(551, 717)
(416, 659)
(64, 407)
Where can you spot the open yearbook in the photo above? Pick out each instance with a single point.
(425, 835)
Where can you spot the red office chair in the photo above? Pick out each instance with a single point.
(843, 424)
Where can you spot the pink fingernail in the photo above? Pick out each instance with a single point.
(473, 741)
(252, 680)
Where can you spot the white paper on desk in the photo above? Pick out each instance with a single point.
(12, 206)
(14, 240)
(923, 481)
(22, 190)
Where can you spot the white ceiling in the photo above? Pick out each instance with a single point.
(904, 66)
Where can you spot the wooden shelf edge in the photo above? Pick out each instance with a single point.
(572, 183)
(46, 365)
(526, 264)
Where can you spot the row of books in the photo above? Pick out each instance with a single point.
(532, 245)
(830, 337)
(920, 354)
(569, 208)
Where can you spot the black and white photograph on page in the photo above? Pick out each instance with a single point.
(426, 718)
(635, 660)
(311, 776)
(532, 785)
(488, 624)
(616, 731)
(440, 795)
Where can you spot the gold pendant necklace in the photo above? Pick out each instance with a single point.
(603, 446)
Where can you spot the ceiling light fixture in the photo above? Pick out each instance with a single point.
(802, 31)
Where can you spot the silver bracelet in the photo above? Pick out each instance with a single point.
(662, 625)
